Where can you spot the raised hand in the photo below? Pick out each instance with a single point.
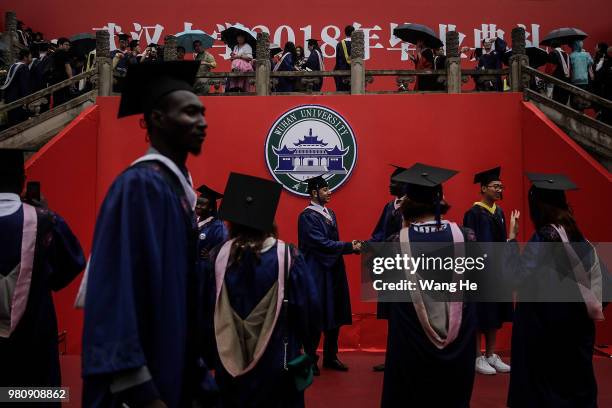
(514, 224)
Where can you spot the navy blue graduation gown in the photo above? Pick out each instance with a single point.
(286, 84)
(489, 228)
(320, 243)
(417, 373)
(142, 297)
(552, 343)
(494, 60)
(313, 64)
(211, 235)
(389, 223)
(29, 357)
(266, 385)
(342, 65)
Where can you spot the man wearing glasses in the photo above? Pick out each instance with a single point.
(487, 220)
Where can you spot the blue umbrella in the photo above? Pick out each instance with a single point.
(186, 38)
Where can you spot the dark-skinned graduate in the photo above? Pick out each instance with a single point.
(431, 343)
(141, 294)
(319, 241)
(40, 255)
(212, 230)
(389, 223)
(262, 304)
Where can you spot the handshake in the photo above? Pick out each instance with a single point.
(357, 246)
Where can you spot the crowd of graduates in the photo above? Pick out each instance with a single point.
(189, 303)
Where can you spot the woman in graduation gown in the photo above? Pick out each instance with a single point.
(315, 62)
(552, 342)
(39, 255)
(431, 345)
(286, 63)
(212, 230)
(250, 338)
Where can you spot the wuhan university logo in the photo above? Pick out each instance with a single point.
(308, 141)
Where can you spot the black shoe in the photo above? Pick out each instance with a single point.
(315, 370)
(379, 368)
(335, 364)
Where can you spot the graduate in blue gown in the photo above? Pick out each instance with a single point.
(343, 60)
(251, 275)
(389, 223)
(488, 222)
(141, 301)
(285, 64)
(431, 345)
(323, 251)
(39, 255)
(211, 229)
(552, 342)
(493, 50)
(315, 61)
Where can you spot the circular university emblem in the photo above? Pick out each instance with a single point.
(309, 141)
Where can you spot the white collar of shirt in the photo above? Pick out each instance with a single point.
(186, 182)
(268, 244)
(204, 222)
(320, 207)
(9, 204)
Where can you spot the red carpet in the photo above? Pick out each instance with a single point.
(361, 387)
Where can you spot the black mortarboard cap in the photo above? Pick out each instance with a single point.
(250, 201)
(313, 42)
(124, 37)
(316, 183)
(398, 170)
(146, 84)
(558, 182)
(487, 176)
(209, 193)
(12, 163)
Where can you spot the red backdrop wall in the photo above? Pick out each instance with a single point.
(463, 132)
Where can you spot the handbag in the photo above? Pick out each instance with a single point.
(299, 369)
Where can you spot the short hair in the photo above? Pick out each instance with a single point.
(24, 52)
(348, 30)
(134, 43)
(180, 48)
(62, 40)
(197, 42)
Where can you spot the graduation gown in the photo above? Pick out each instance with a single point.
(417, 373)
(493, 60)
(552, 343)
(285, 64)
(142, 291)
(489, 228)
(210, 235)
(314, 63)
(247, 283)
(389, 223)
(29, 355)
(342, 64)
(18, 88)
(320, 243)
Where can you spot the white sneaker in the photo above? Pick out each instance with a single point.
(496, 362)
(483, 367)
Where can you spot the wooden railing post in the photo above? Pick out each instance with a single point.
(518, 59)
(453, 63)
(104, 63)
(357, 63)
(262, 65)
(170, 48)
(10, 27)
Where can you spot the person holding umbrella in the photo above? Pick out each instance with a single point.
(425, 40)
(242, 42)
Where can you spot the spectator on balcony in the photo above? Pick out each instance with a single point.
(559, 67)
(40, 73)
(120, 62)
(491, 58)
(315, 61)
(17, 86)
(581, 70)
(61, 70)
(207, 64)
(439, 63)
(606, 114)
(423, 59)
(150, 54)
(601, 55)
(343, 60)
(133, 52)
(241, 57)
(285, 64)
(300, 59)
(180, 53)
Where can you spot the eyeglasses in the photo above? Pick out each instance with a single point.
(498, 187)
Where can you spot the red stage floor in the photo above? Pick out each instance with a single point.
(361, 387)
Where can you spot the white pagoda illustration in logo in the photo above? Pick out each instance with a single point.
(310, 155)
